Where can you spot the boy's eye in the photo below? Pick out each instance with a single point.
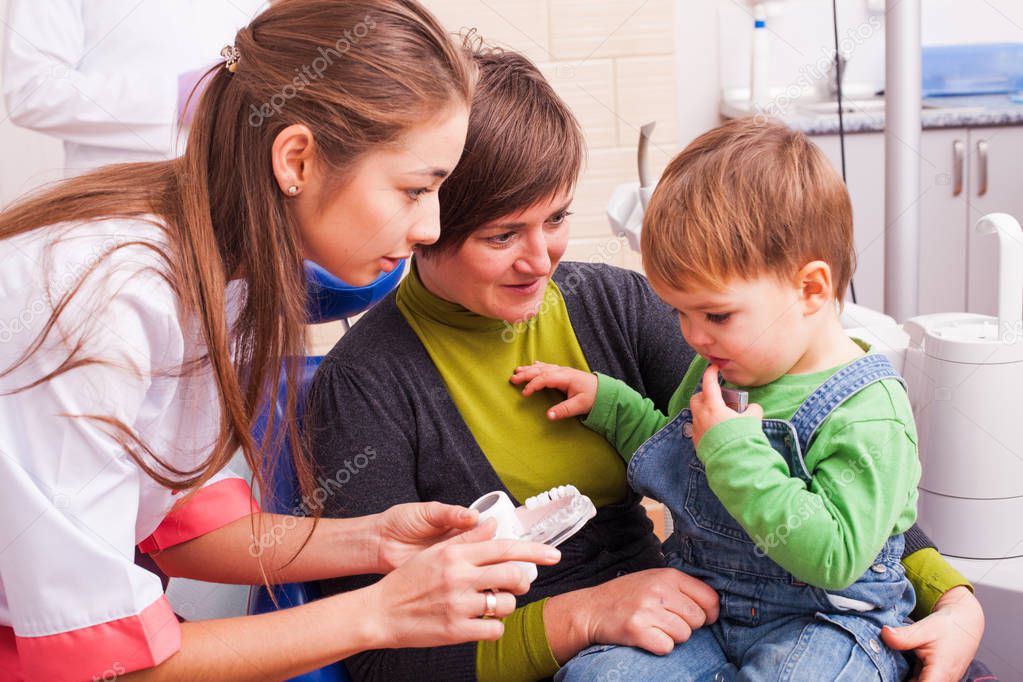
(718, 318)
(559, 218)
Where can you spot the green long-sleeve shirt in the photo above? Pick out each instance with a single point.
(863, 463)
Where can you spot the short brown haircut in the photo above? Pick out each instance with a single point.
(746, 199)
(523, 146)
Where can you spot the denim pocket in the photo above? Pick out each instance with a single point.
(706, 511)
(890, 665)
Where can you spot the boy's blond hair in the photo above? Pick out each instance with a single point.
(746, 199)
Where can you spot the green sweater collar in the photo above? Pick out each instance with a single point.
(425, 304)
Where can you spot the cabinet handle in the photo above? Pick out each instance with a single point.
(982, 171)
(957, 167)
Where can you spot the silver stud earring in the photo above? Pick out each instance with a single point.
(293, 190)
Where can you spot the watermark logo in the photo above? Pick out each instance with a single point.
(310, 73)
(57, 289)
(325, 488)
(111, 673)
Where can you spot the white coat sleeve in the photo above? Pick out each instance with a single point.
(46, 89)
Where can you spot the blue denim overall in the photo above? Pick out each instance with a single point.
(771, 626)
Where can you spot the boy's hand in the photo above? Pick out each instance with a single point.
(709, 409)
(580, 386)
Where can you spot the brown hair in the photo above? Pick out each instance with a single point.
(745, 199)
(358, 73)
(523, 146)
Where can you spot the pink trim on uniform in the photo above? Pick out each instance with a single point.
(103, 651)
(212, 507)
(10, 665)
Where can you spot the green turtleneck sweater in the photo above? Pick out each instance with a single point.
(476, 356)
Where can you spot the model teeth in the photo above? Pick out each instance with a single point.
(559, 524)
(549, 496)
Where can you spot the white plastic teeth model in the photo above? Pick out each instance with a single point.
(547, 496)
(555, 515)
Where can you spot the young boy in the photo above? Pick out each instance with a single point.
(792, 510)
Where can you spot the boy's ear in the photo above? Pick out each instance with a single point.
(815, 286)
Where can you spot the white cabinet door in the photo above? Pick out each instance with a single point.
(964, 174)
(864, 164)
(995, 186)
(944, 187)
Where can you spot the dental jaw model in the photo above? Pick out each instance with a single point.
(551, 517)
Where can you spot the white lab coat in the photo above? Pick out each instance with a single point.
(73, 603)
(102, 75)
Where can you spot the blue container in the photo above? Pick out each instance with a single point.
(992, 69)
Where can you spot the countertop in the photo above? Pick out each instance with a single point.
(938, 112)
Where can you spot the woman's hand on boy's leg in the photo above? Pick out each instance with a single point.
(946, 641)
(579, 386)
(653, 609)
(709, 408)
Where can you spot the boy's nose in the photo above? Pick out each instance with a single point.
(695, 335)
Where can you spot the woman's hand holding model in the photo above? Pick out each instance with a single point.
(451, 579)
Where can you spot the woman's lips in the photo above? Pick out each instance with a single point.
(524, 289)
(388, 264)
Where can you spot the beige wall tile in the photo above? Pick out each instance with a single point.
(609, 250)
(605, 170)
(589, 225)
(633, 261)
(646, 91)
(583, 29)
(521, 25)
(320, 338)
(588, 88)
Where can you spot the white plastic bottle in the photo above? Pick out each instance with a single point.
(760, 60)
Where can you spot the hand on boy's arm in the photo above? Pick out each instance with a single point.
(610, 407)
(709, 409)
(579, 386)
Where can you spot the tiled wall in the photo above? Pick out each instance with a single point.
(614, 63)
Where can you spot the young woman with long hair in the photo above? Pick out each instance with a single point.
(148, 309)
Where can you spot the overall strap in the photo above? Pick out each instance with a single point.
(840, 386)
